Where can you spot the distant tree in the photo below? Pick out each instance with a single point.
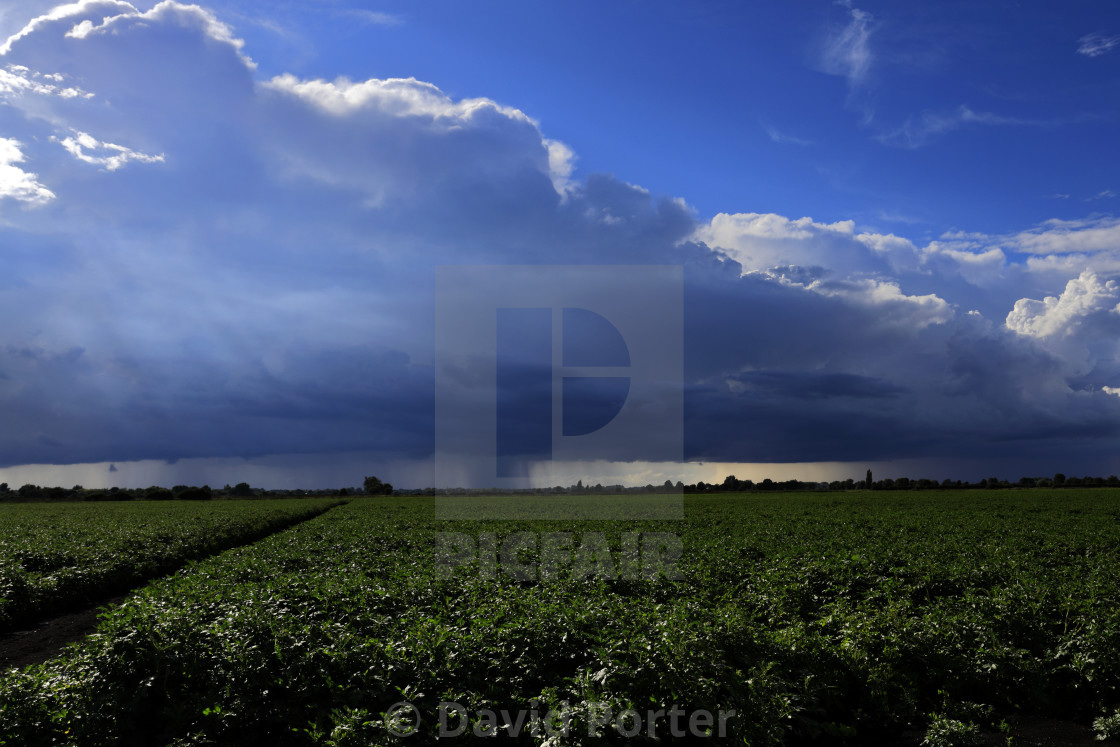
(374, 486)
(1059, 480)
(868, 483)
(3, 487)
(195, 494)
(156, 493)
(241, 489)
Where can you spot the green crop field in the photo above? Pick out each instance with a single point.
(56, 555)
(809, 618)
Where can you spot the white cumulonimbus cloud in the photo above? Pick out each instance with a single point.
(15, 182)
(1084, 298)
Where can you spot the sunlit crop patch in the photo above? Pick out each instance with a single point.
(56, 556)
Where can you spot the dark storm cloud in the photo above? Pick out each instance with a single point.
(198, 263)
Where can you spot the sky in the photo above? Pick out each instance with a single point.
(898, 227)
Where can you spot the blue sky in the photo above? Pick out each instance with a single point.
(920, 117)
(219, 226)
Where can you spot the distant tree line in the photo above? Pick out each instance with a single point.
(731, 484)
(577, 489)
(374, 486)
(241, 490)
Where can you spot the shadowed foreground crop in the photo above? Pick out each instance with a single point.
(815, 617)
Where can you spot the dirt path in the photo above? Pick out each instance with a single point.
(36, 642)
(45, 639)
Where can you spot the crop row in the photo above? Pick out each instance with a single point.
(59, 556)
(811, 617)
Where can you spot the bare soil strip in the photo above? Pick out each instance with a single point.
(46, 639)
